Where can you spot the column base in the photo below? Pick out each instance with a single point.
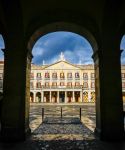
(11, 134)
(109, 137)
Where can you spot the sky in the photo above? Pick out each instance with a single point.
(76, 49)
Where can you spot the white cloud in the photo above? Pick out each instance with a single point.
(38, 51)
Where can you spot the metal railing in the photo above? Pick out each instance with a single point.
(61, 113)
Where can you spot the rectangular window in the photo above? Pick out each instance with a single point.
(54, 83)
(62, 75)
(46, 84)
(77, 84)
(38, 75)
(123, 75)
(92, 75)
(62, 84)
(85, 75)
(76, 75)
(38, 85)
(123, 84)
(54, 75)
(47, 75)
(85, 84)
(93, 85)
(69, 75)
(69, 84)
(31, 84)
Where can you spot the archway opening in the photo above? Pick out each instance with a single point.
(38, 97)
(122, 48)
(31, 97)
(2, 46)
(62, 85)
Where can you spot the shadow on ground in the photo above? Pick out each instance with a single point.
(62, 134)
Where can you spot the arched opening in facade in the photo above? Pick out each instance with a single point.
(64, 91)
(122, 48)
(31, 97)
(38, 97)
(2, 47)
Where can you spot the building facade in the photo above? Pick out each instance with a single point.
(62, 82)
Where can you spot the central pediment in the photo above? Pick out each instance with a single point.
(61, 65)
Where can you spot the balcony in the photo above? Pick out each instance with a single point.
(55, 78)
(38, 78)
(46, 78)
(70, 78)
(77, 78)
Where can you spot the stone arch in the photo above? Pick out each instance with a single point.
(85, 96)
(122, 48)
(31, 97)
(38, 97)
(62, 26)
(92, 96)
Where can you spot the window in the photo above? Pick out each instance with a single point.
(123, 75)
(85, 75)
(62, 84)
(77, 84)
(38, 75)
(31, 84)
(54, 75)
(69, 75)
(47, 75)
(85, 84)
(92, 75)
(76, 75)
(123, 84)
(93, 85)
(54, 83)
(46, 84)
(69, 84)
(32, 75)
(62, 75)
(38, 85)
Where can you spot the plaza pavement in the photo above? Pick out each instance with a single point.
(66, 133)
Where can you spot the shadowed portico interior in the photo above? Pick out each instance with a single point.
(102, 23)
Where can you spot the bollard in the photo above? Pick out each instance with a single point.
(80, 114)
(61, 112)
(42, 114)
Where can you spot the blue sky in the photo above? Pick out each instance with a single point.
(76, 49)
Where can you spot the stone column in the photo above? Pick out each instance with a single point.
(89, 96)
(34, 95)
(73, 93)
(108, 89)
(65, 97)
(50, 97)
(57, 96)
(16, 93)
(80, 96)
(42, 96)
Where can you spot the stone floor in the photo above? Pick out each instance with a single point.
(66, 133)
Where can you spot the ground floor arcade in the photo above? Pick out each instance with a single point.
(62, 96)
